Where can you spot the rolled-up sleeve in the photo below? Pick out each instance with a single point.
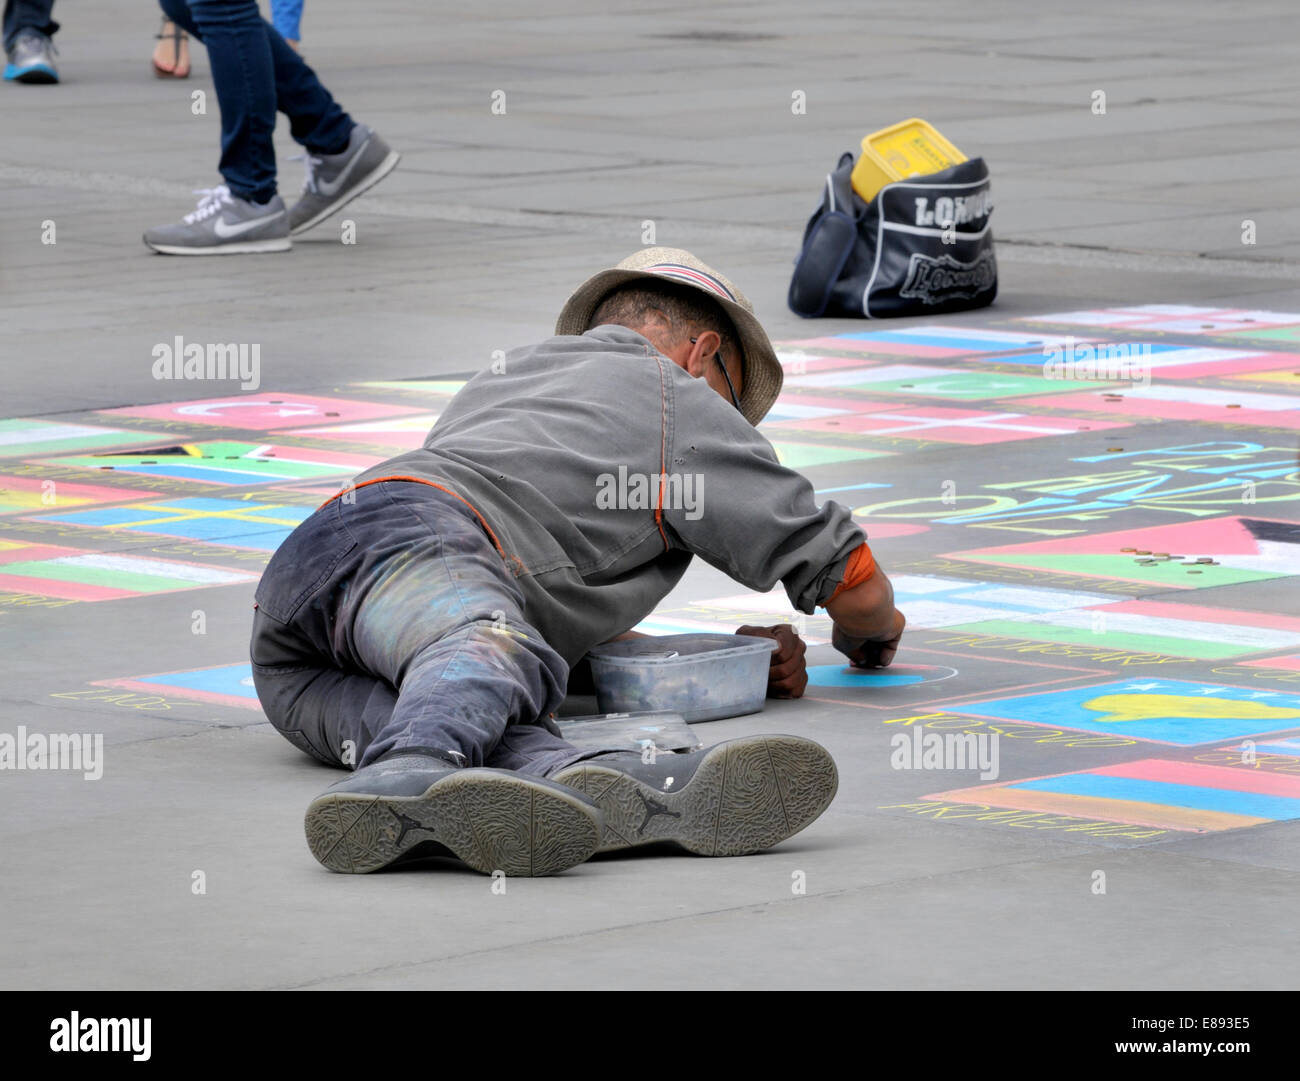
(729, 500)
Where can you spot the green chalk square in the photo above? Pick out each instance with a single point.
(1123, 567)
(971, 386)
(800, 455)
(1125, 640)
(1284, 334)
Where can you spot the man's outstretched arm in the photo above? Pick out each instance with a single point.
(867, 625)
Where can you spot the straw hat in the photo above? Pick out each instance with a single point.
(763, 375)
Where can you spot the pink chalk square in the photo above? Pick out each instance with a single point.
(20, 495)
(262, 412)
(946, 425)
(1292, 662)
(1170, 401)
(796, 363)
(852, 345)
(884, 530)
(1172, 318)
(404, 433)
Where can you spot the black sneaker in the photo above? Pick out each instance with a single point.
(408, 806)
(738, 797)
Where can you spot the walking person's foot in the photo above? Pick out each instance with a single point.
(31, 59)
(171, 56)
(224, 224)
(410, 806)
(737, 797)
(334, 180)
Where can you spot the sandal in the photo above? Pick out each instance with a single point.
(180, 52)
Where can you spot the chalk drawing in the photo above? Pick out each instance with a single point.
(261, 412)
(223, 685)
(1177, 712)
(261, 526)
(1188, 796)
(403, 433)
(227, 463)
(50, 570)
(1242, 549)
(22, 438)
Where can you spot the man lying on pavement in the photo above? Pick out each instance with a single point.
(420, 627)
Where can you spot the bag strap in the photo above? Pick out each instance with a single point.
(827, 245)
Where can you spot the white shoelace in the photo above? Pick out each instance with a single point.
(211, 200)
(309, 161)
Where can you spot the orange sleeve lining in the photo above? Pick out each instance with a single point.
(860, 567)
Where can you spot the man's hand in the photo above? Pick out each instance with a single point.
(787, 676)
(868, 653)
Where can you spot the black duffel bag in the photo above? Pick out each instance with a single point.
(920, 247)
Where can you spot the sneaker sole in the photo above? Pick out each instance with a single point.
(493, 821)
(360, 188)
(247, 247)
(746, 795)
(31, 76)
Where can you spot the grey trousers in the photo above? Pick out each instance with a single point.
(389, 622)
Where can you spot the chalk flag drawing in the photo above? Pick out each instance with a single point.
(802, 455)
(261, 526)
(1172, 318)
(1125, 361)
(897, 675)
(926, 340)
(223, 685)
(27, 494)
(1189, 796)
(950, 425)
(261, 412)
(437, 389)
(1175, 712)
(1174, 401)
(227, 463)
(1243, 549)
(21, 438)
(1292, 662)
(926, 381)
(50, 570)
(405, 433)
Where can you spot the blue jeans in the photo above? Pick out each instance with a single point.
(392, 623)
(255, 72)
(28, 15)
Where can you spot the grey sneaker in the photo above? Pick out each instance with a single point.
(334, 180)
(738, 797)
(408, 806)
(31, 59)
(224, 224)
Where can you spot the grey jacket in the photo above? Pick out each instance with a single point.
(602, 467)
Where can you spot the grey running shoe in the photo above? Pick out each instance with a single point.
(224, 224)
(738, 797)
(409, 806)
(31, 59)
(334, 180)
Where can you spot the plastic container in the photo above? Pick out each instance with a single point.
(704, 677)
(910, 148)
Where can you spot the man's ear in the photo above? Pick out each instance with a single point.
(707, 342)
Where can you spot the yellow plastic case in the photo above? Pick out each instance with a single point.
(909, 148)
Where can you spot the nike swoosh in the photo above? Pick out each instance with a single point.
(333, 189)
(226, 231)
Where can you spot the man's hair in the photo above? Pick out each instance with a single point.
(680, 306)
